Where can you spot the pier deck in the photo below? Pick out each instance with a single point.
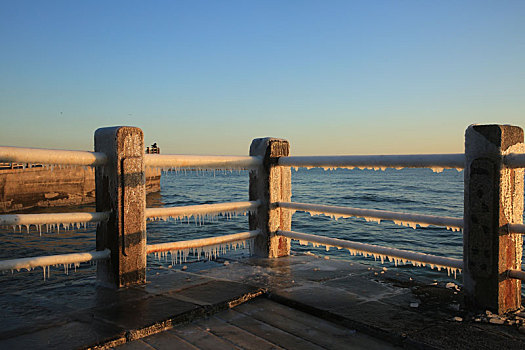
(248, 300)
(259, 324)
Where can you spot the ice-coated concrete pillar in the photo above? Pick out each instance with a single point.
(270, 184)
(120, 189)
(493, 199)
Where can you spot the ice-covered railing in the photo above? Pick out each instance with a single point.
(208, 247)
(66, 220)
(55, 221)
(121, 150)
(516, 228)
(202, 211)
(517, 274)
(436, 162)
(211, 247)
(191, 162)
(384, 253)
(66, 260)
(51, 156)
(404, 219)
(514, 160)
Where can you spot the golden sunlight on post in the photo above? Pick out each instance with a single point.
(493, 199)
(270, 184)
(120, 189)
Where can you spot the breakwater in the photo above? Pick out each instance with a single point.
(31, 187)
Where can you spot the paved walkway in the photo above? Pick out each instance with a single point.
(351, 299)
(259, 324)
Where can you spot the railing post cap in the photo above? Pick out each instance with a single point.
(115, 130)
(495, 133)
(263, 147)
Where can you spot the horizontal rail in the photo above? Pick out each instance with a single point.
(398, 218)
(374, 249)
(202, 242)
(201, 162)
(59, 218)
(51, 156)
(517, 228)
(517, 274)
(51, 260)
(514, 160)
(203, 209)
(435, 161)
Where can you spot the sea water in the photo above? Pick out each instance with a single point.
(419, 191)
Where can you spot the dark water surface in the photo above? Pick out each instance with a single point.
(408, 190)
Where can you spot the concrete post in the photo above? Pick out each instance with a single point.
(270, 184)
(493, 199)
(120, 189)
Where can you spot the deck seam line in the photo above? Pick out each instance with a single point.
(216, 335)
(282, 330)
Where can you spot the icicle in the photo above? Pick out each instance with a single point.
(210, 252)
(383, 257)
(200, 219)
(369, 219)
(436, 169)
(412, 224)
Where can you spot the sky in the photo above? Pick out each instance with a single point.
(207, 77)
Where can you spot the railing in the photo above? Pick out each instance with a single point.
(201, 162)
(54, 260)
(493, 163)
(118, 158)
(64, 219)
(437, 162)
(51, 156)
(208, 247)
(514, 160)
(492, 216)
(394, 255)
(516, 228)
(231, 208)
(403, 219)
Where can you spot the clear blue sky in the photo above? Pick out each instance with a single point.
(205, 77)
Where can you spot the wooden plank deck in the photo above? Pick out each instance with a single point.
(259, 324)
